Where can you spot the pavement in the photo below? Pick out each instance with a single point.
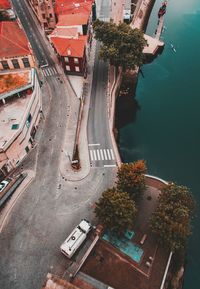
(68, 146)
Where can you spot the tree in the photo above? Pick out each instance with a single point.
(131, 178)
(121, 45)
(171, 219)
(115, 210)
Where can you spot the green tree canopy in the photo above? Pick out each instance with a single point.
(121, 45)
(171, 219)
(115, 210)
(131, 179)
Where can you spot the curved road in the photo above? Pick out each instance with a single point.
(51, 206)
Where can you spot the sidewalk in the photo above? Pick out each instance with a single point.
(68, 146)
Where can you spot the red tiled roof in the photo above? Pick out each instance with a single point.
(5, 4)
(73, 19)
(65, 32)
(69, 6)
(70, 47)
(13, 41)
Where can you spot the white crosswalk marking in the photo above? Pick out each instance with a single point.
(91, 155)
(112, 154)
(43, 71)
(49, 71)
(98, 155)
(105, 154)
(108, 152)
(55, 71)
(95, 156)
(102, 157)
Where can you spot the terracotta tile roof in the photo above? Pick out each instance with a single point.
(69, 6)
(70, 47)
(13, 41)
(5, 4)
(65, 32)
(79, 18)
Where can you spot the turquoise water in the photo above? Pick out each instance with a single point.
(166, 130)
(125, 245)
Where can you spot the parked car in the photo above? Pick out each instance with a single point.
(3, 184)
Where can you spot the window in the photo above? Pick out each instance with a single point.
(77, 68)
(26, 62)
(75, 60)
(67, 67)
(66, 59)
(43, 15)
(15, 63)
(15, 126)
(50, 15)
(5, 64)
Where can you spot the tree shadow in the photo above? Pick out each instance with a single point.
(126, 104)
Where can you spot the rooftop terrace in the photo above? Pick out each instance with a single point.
(10, 81)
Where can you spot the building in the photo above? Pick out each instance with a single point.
(5, 4)
(6, 12)
(44, 12)
(20, 109)
(72, 36)
(71, 51)
(15, 50)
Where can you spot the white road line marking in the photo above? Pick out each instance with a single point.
(95, 156)
(91, 155)
(109, 166)
(52, 71)
(108, 152)
(55, 71)
(93, 144)
(105, 154)
(47, 71)
(112, 154)
(98, 155)
(102, 157)
(43, 71)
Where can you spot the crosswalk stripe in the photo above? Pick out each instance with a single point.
(98, 155)
(108, 152)
(55, 71)
(51, 71)
(95, 156)
(47, 72)
(102, 157)
(105, 154)
(91, 155)
(43, 71)
(112, 154)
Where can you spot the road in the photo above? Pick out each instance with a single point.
(51, 206)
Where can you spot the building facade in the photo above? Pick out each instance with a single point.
(44, 12)
(72, 36)
(20, 110)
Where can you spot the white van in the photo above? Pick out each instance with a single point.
(76, 238)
